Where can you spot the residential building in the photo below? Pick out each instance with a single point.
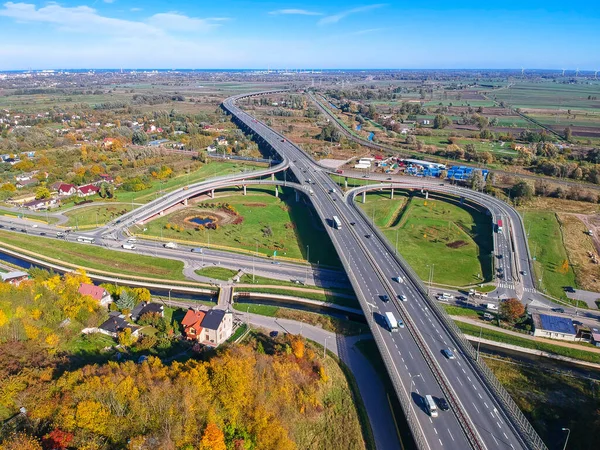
(87, 190)
(98, 293)
(144, 308)
(192, 324)
(596, 337)
(217, 327)
(554, 327)
(15, 278)
(26, 183)
(43, 203)
(115, 324)
(221, 140)
(64, 189)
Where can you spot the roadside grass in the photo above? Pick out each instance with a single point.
(329, 323)
(219, 273)
(93, 216)
(96, 257)
(274, 224)
(316, 295)
(459, 311)
(352, 182)
(498, 336)
(456, 241)
(35, 218)
(547, 248)
(239, 331)
(553, 399)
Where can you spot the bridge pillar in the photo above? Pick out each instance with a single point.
(297, 197)
(276, 192)
(392, 194)
(162, 213)
(346, 183)
(185, 202)
(244, 189)
(426, 195)
(212, 193)
(272, 177)
(421, 190)
(364, 200)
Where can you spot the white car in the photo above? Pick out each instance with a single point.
(403, 298)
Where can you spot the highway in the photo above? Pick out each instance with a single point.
(413, 355)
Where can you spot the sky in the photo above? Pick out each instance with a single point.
(299, 34)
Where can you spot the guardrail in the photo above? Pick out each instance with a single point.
(518, 420)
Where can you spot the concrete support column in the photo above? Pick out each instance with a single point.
(297, 197)
(244, 189)
(272, 177)
(276, 192)
(364, 197)
(392, 194)
(426, 195)
(212, 193)
(185, 202)
(162, 213)
(346, 183)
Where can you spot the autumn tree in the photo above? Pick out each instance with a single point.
(42, 193)
(213, 438)
(298, 348)
(511, 309)
(21, 441)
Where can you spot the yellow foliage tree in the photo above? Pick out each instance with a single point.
(3, 318)
(213, 438)
(92, 416)
(21, 441)
(298, 348)
(52, 340)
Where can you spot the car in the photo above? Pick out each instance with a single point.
(487, 316)
(400, 323)
(23, 230)
(398, 279)
(274, 333)
(283, 140)
(389, 178)
(500, 269)
(570, 289)
(197, 250)
(13, 228)
(34, 226)
(42, 234)
(384, 298)
(60, 234)
(352, 223)
(275, 262)
(499, 256)
(558, 310)
(367, 236)
(403, 298)
(1, 226)
(448, 353)
(442, 404)
(523, 273)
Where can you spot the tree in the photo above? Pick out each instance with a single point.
(213, 438)
(126, 301)
(522, 191)
(139, 138)
(298, 348)
(440, 121)
(477, 181)
(511, 309)
(568, 134)
(21, 441)
(42, 193)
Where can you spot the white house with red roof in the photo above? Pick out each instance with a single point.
(87, 190)
(64, 189)
(98, 293)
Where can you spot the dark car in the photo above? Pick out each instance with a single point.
(23, 230)
(570, 289)
(384, 297)
(42, 234)
(442, 404)
(558, 310)
(367, 236)
(13, 228)
(274, 334)
(352, 223)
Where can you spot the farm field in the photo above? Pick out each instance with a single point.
(276, 224)
(456, 241)
(95, 257)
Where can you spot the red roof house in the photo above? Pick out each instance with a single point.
(87, 190)
(191, 322)
(96, 292)
(66, 189)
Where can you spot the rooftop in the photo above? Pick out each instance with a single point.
(213, 319)
(555, 324)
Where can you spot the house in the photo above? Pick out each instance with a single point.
(596, 337)
(14, 277)
(144, 308)
(43, 203)
(217, 327)
(115, 324)
(98, 293)
(192, 324)
(211, 149)
(87, 190)
(553, 327)
(108, 142)
(64, 189)
(221, 140)
(25, 183)
(106, 178)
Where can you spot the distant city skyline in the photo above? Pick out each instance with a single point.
(298, 34)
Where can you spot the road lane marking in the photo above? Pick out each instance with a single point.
(452, 437)
(476, 408)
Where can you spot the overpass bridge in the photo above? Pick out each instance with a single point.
(481, 415)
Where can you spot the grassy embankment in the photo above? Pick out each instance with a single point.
(95, 257)
(274, 224)
(456, 240)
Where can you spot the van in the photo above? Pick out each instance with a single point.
(170, 245)
(430, 406)
(492, 307)
(128, 246)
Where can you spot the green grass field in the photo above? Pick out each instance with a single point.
(95, 257)
(494, 147)
(96, 215)
(50, 220)
(546, 246)
(455, 240)
(275, 224)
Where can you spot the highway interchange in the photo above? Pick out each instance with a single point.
(477, 418)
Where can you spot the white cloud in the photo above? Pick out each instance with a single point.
(135, 9)
(299, 12)
(83, 19)
(335, 18)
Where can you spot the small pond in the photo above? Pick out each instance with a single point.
(202, 220)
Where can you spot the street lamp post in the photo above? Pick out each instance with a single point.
(568, 434)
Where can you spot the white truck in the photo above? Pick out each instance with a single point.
(128, 246)
(170, 245)
(391, 321)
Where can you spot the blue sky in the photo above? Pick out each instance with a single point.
(299, 34)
